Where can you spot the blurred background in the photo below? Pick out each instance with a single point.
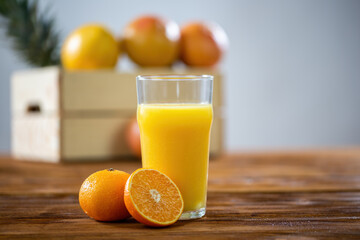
(292, 69)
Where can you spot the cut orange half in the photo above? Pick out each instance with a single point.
(152, 198)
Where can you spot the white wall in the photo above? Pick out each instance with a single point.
(293, 69)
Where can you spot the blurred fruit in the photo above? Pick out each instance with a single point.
(101, 196)
(132, 136)
(120, 42)
(152, 198)
(90, 47)
(152, 41)
(202, 44)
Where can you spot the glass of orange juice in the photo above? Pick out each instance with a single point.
(175, 115)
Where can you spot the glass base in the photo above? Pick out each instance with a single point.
(193, 214)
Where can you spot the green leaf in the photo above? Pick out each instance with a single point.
(33, 34)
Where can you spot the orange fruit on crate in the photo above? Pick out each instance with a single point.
(151, 41)
(202, 44)
(152, 198)
(101, 195)
(90, 47)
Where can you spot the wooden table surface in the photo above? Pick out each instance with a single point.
(284, 195)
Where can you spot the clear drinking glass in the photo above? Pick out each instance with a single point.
(175, 116)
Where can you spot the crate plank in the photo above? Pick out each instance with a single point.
(98, 91)
(36, 138)
(94, 138)
(35, 87)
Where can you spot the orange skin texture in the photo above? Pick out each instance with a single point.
(132, 136)
(199, 47)
(148, 44)
(131, 206)
(101, 196)
(90, 47)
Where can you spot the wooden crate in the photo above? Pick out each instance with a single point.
(61, 115)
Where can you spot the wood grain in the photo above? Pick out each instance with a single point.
(294, 195)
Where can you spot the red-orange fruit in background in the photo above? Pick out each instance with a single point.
(132, 136)
(202, 44)
(151, 41)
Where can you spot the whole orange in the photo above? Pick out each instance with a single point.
(90, 47)
(152, 41)
(202, 44)
(101, 195)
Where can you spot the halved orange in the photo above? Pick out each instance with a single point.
(152, 198)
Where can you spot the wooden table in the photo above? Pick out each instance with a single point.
(314, 194)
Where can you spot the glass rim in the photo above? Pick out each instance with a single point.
(175, 77)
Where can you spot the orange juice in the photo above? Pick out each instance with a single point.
(175, 140)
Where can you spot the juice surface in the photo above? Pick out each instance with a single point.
(175, 140)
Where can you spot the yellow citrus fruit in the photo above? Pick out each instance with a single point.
(90, 47)
(101, 196)
(152, 198)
